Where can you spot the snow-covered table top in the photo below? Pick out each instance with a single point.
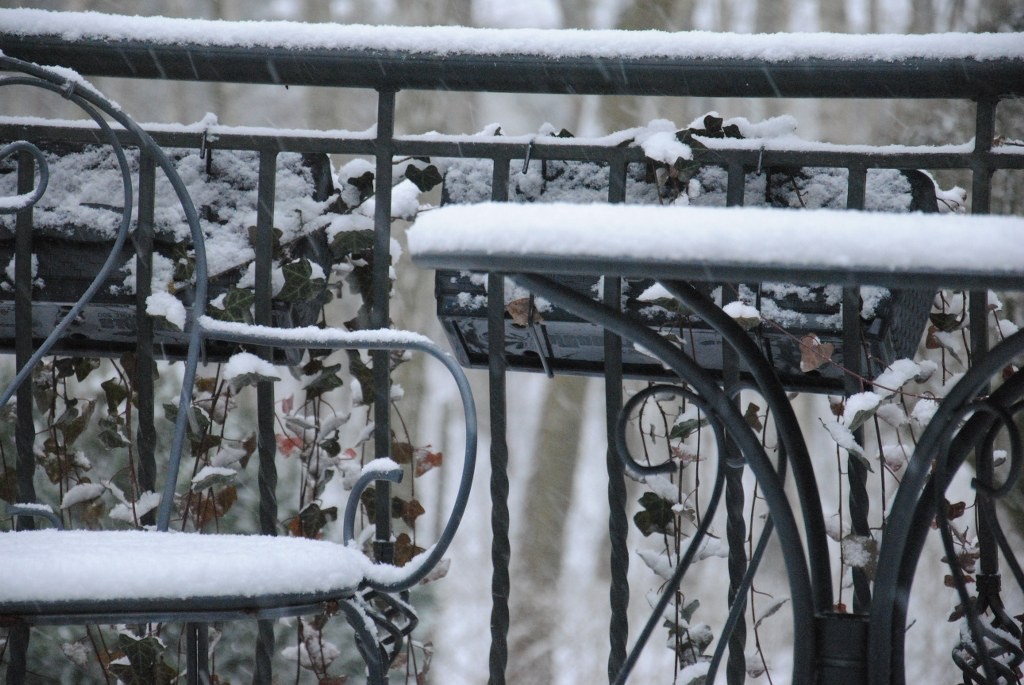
(121, 566)
(698, 243)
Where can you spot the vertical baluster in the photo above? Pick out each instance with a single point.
(618, 521)
(500, 546)
(857, 473)
(145, 366)
(735, 500)
(988, 578)
(25, 433)
(266, 445)
(18, 637)
(380, 316)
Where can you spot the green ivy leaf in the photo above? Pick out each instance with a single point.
(276, 235)
(243, 380)
(945, 322)
(236, 306)
(115, 392)
(364, 374)
(74, 427)
(299, 284)
(686, 428)
(312, 519)
(657, 516)
(84, 367)
(347, 243)
(327, 380)
(364, 184)
(145, 663)
(426, 178)
(212, 479)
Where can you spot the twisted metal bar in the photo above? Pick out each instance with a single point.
(501, 548)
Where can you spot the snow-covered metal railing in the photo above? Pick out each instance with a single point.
(982, 69)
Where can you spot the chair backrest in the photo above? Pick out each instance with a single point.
(131, 237)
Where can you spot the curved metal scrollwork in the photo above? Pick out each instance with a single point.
(720, 405)
(12, 205)
(986, 653)
(962, 426)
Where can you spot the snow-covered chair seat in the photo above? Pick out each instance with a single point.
(110, 576)
(153, 575)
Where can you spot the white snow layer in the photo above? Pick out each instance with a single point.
(110, 565)
(830, 239)
(554, 43)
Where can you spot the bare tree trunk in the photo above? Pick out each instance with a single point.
(772, 17)
(538, 558)
(618, 113)
(922, 17)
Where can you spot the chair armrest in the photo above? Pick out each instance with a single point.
(386, 339)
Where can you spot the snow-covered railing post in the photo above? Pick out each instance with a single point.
(784, 326)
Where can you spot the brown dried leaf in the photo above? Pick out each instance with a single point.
(401, 452)
(813, 353)
(523, 312)
(426, 460)
(405, 550)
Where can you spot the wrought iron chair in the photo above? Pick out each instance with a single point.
(56, 577)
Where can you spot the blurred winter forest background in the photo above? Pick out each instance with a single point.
(558, 500)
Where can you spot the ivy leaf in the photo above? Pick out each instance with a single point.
(116, 392)
(311, 520)
(813, 353)
(327, 380)
(236, 306)
(145, 663)
(426, 460)
(687, 612)
(401, 452)
(752, 417)
(523, 312)
(112, 432)
(657, 516)
(347, 243)
(425, 178)
(686, 428)
(405, 550)
(364, 184)
(212, 476)
(407, 510)
(945, 321)
(244, 380)
(770, 610)
(276, 235)
(299, 283)
(74, 427)
(363, 373)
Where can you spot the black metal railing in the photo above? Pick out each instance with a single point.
(986, 82)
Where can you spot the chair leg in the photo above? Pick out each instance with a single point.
(17, 649)
(366, 643)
